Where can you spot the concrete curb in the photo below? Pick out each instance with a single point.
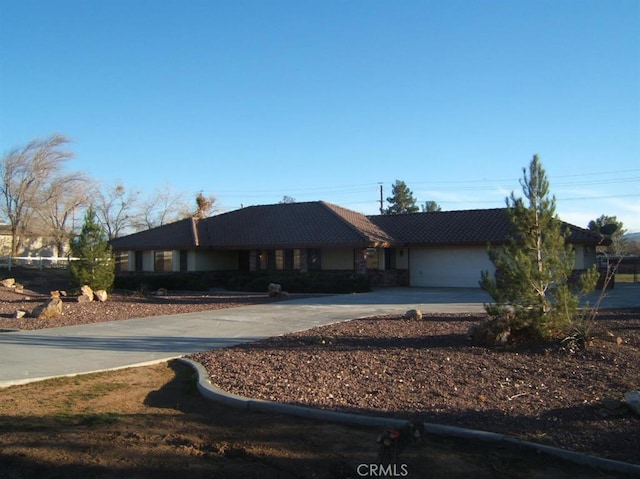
(209, 391)
(575, 457)
(213, 393)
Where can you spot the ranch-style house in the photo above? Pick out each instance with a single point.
(435, 249)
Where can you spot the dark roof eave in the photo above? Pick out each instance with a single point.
(301, 245)
(155, 248)
(455, 243)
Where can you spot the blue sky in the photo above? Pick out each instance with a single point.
(325, 99)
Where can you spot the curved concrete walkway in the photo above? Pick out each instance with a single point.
(27, 356)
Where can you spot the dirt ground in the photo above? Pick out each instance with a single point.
(151, 422)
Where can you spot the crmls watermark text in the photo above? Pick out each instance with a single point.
(382, 470)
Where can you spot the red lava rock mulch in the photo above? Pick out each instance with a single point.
(427, 371)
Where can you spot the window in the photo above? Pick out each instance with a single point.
(122, 261)
(278, 260)
(162, 260)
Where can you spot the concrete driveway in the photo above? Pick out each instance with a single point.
(27, 356)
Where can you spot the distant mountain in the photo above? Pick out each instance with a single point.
(632, 236)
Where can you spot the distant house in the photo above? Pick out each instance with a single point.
(33, 243)
(435, 249)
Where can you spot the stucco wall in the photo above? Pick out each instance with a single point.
(402, 258)
(585, 256)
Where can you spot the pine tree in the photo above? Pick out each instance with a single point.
(401, 200)
(613, 230)
(431, 207)
(534, 268)
(95, 266)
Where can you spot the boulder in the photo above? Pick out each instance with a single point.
(86, 294)
(83, 298)
(633, 401)
(274, 289)
(50, 309)
(18, 288)
(413, 314)
(100, 295)
(8, 282)
(20, 313)
(55, 294)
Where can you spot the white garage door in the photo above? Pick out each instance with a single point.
(448, 267)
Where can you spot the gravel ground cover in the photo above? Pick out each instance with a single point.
(427, 371)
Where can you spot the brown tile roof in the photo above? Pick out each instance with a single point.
(461, 227)
(178, 235)
(447, 227)
(321, 224)
(288, 225)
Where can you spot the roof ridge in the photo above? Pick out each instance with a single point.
(333, 208)
(437, 212)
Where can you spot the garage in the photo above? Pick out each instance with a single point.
(448, 267)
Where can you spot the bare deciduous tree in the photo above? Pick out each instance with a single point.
(115, 210)
(27, 175)
(165, 205)
(63, 198)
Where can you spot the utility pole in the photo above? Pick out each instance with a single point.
(381, 201)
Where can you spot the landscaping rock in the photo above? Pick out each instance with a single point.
(83, 298)
(86, 294)
(20, 313)
(415, 314)
(633, 401)
(274, 289)
(8, 282)
(50, 309)
(100, 295)
(18, 288)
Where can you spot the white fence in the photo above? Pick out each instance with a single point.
(39, 262)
